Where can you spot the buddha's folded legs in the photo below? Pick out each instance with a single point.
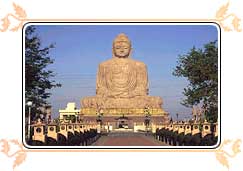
(132, 103)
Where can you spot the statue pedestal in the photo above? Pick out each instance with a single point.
(138, 102)
(122, 111)
(128, 121)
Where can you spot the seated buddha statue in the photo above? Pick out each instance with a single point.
(121, 82)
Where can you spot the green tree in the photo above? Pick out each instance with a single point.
(37, 76)
(200, 67)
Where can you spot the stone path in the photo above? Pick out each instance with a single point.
(127, 139)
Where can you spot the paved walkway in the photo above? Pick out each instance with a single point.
(127, 139)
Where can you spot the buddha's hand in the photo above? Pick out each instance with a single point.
(124, 95)
(137, 92)
(109, 94)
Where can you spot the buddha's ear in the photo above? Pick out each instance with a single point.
(130, 53)
(113, 53)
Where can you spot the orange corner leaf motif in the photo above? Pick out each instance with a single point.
(5, 146)
(5, 24)
(223, 156)
(222, 11)
(16, 28)
(19, 155)
(236, 24)
(222, 19)
(236, 147)
(222, 159)
(19, 11)
(19, 159)
(20, 16)
(227, 29)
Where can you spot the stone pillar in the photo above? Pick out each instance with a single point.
(76, 128)
(63, 130)
(215, 132)
(81, 128)
(206, 129)
(85, 127)
(70, 128)
(169, 127)
(181, 128)
(175, 127)
(38, 133)
(88, 127)
(195, 128)
(52, 131)
(188, 129)
(154, 127)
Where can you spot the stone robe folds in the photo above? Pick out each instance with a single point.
(122, 83)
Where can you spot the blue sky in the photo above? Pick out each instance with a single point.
(80, 48)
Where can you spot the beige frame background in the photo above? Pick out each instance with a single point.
(221, 153)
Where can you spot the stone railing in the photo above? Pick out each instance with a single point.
(188, 134)
(64, 134)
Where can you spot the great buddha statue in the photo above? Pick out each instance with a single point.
(122, 82)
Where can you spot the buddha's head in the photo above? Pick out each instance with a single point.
(121, 46)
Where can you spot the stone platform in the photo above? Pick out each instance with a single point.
(130, 121)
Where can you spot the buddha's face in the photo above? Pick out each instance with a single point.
(121, 49)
